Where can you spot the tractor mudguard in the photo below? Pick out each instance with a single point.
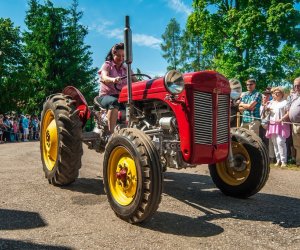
(81, 104)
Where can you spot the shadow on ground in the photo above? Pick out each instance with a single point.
(17, 244)
(14, 219)
(182, 225)
(87, 186)
(199, 192)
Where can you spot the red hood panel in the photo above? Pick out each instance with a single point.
(144, 88)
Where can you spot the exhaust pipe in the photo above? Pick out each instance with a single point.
(128, 61)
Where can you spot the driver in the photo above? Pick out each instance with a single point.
(111, 73)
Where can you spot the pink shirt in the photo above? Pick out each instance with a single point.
(113, 71)
(15, 127)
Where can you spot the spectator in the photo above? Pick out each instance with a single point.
(11, 131)
(294, 116)
(34, 126)
(20, 119)
(7, 128)
(236, 88)
(265, 118)
(16, 129)
(25, 126)
(249, 106)
(291, 153)
(1, 129)
(278, 131)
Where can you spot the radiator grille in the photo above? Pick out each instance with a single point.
(203, 116)
(203, 113)
(222, 119)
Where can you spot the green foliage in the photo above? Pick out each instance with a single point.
(254, 33)
(13, 78)
(79, 71)
(242, 39)
(56, 52)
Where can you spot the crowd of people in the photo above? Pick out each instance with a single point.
(274, 115)
(17, 128)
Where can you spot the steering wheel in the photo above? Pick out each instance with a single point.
(137, 74)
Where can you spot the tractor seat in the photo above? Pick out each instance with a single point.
(97, 103)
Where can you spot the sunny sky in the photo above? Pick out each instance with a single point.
(105, 21)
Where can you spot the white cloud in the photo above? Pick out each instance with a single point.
(114, 33)
(138, 39)
(179, 6)
(102, 25)
(146, 40)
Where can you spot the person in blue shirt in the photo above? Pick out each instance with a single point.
(25, 126)
(250, 107)
(34, 125)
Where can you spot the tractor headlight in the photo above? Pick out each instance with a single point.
(234, 95)
(174, 82)
(236, 89)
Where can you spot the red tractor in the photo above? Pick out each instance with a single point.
(175, 121)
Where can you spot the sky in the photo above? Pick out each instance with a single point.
(105, 20)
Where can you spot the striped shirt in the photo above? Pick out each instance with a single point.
(113, 71)
(247, 98)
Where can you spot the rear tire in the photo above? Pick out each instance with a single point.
(251, 170)
(132, 175)
(60, 140)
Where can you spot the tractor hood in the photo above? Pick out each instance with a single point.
(206, 81)
(143, 89)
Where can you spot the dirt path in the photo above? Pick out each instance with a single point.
(193, 214)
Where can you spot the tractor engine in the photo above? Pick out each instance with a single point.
(157, 120)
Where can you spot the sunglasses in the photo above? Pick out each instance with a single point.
(297, 86)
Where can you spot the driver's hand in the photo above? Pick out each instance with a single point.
(117, 79)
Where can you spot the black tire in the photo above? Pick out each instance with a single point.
(251, 169)
(136, 197)
(60, 140)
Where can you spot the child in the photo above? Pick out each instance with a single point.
(16, 129)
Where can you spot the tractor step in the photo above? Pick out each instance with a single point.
(90, 136)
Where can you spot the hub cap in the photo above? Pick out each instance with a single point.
(49, 140)
(122, 176)
(237, 174)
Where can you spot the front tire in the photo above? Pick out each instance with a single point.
(251, 166)
(132, 175)
(60, 140)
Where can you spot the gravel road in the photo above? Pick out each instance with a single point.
(193, 214)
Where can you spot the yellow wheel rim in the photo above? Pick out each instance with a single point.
(49, 140)
(236, 175)
(122, 176)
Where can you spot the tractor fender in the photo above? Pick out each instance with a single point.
(81, 104)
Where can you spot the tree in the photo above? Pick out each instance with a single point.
(171, 45)
(247, 38)
(44, 40)
(79, 71)
(56, 51)
(192, 57)
(13, 77)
